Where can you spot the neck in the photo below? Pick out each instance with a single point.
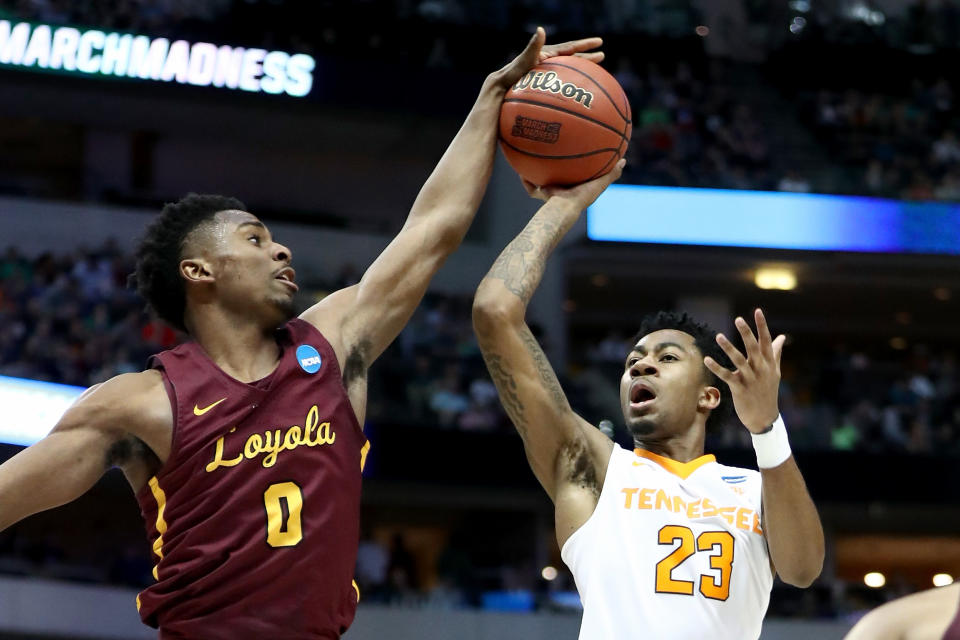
(242, 349)
(682, 447)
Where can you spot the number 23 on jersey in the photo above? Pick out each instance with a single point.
(720, 546)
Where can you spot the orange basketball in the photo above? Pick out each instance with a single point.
(565, 122)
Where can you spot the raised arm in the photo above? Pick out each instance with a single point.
(564, 450)
(791, 523)
(91, 437)
(364, 319)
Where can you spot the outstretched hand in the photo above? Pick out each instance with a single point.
(537, 51)
(755, 383)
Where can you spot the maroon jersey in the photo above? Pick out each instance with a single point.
(254, 516)
(953, 631)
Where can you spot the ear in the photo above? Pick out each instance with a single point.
(709, 398)
(196, 270)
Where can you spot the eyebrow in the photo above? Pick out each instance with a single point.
(660, 347)
(253, 223)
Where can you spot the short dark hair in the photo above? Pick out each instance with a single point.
(705, 339)
(157, 275)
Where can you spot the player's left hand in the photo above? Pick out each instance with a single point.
(755, 383)
(583, 194)
(537, 51)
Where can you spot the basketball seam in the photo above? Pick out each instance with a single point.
(616, 155)
(602, 171)
(570, 157)
(567, 111)
(589, 77)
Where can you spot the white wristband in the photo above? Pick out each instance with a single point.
(772, 447)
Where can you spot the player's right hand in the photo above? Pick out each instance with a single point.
(582, 195)
(537, 51)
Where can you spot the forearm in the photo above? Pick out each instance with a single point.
(792, 525)
(449, 199)
(517, 272)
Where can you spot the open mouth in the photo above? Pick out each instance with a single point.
(641, 394)
(286, 276)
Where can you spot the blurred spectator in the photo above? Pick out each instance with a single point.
(373, 560)
(794, 182)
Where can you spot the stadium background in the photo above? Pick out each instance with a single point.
(839, 97)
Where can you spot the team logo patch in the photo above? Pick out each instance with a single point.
(733, 479)
(308, 358)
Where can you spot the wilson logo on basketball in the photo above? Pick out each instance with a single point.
(538, 130)
(550, 82)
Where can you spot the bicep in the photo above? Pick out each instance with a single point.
(556, 439)
(58, 469)
(87, 440)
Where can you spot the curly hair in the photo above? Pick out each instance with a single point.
(705, 339)
(157, 275)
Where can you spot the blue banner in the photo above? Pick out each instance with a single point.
(721, 217)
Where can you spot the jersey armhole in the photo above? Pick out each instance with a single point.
(174, 429)
(593, 516)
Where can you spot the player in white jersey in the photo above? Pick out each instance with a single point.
(663, 541)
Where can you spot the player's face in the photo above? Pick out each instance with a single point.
(663, 385)
(252, 272)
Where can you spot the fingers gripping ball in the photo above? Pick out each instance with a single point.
(565, 122)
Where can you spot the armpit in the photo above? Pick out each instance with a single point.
(574, 465)
(356, 363)
(130, 451)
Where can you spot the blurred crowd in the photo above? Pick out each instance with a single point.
(72, 319)
(139, 16)
(899, 146)
(692, 131)
(152, 16)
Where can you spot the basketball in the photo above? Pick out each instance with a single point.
(565, 122)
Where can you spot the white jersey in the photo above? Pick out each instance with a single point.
(673, 551)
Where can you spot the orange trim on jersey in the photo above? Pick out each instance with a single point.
(353, 583)
(363, 454)
(682, 469)
(161, 499)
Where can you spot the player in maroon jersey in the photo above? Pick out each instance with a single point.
(244, 446)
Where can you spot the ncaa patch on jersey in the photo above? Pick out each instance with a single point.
(733, 479)
(308, 358)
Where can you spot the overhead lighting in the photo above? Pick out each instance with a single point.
(942, 579)
(775, 278)
(549, 573)
(702, 30)
(874, 579)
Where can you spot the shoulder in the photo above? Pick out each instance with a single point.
(739, 479)
(329, 317)
(726, 472)
(121, 403)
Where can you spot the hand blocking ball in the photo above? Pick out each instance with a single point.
(565, 122)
